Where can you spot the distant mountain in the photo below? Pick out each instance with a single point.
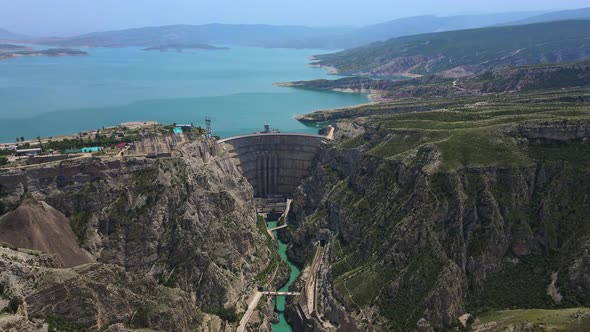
(285, 36)
(466, 52)
(413, 26)
(575, 14)
(8, 35)
(11, 47)
(246, 35)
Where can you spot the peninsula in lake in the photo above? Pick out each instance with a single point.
(9, 51)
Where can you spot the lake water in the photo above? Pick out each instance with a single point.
(43, 96)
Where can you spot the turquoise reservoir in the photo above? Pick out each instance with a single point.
(50, 96)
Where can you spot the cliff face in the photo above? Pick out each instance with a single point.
(185, 225)
(415, 245)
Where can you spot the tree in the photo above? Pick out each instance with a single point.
(18, 139)
(3, 161)
(22, 138)
(13, 305)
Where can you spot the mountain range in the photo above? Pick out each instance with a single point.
(260, 35)
(465, 52)
(8, 35)
(575, 14)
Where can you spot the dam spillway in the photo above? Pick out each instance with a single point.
(274, 163)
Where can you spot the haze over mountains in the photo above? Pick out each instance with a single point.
(466, 52)
(576, 14)
(411, 26)
(297, 36)
(8, 35)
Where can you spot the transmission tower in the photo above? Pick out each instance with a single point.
(208, 132)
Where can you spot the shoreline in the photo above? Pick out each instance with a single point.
(78, 123)
(45, 139)
(374, 96)
(314, 63)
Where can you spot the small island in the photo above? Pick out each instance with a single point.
(182, 47)
(14, 51)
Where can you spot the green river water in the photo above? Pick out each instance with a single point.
(282, 325)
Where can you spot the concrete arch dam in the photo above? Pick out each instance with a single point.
(274, 163)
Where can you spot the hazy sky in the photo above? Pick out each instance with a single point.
(69, 17)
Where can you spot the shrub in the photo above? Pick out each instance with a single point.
(141, 318)
(58, 324)
(229, 315)
(13, 305)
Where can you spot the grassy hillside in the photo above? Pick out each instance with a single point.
(472, 50)
(575, 319)
(472, 132)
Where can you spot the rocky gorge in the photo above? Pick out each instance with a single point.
(434, 218)
(174, 244)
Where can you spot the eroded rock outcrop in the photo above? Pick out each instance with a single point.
(414, 246)
(174, 238)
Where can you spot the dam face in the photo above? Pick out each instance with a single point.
(274, 163)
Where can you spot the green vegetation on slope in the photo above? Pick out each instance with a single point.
(484, 48)
(501, 79)
(573, 319)
(471, 131)
(523, 285)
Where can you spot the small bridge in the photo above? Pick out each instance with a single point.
(274, 163)
(281, 293)
(277, 228)
(254, 303)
